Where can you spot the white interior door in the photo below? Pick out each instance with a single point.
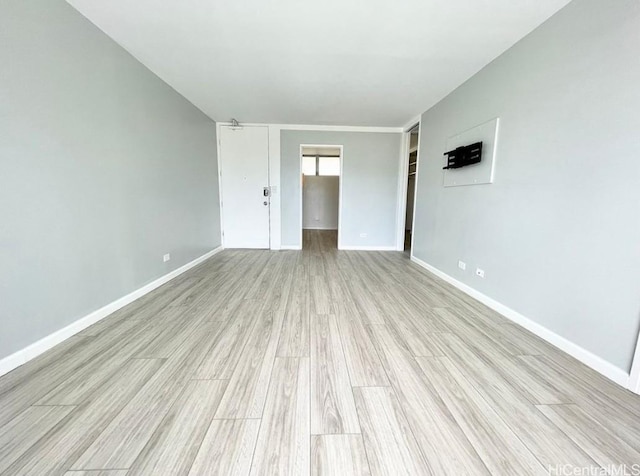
(244, 175)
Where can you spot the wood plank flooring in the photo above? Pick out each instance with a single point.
(318, 362)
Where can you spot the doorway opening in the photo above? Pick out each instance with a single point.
(321, 170)
(412, 170)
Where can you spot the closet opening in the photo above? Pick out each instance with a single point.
(412, 171)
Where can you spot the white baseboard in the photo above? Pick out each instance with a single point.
(290, 247)
(21, 357)
(634, 374)
(347, 248)
(600, 365)
(366, 248)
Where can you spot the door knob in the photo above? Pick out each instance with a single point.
(265, 203)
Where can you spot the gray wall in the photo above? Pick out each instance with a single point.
(103, 169)
(369, 185)
(558, 233)
(320, 202)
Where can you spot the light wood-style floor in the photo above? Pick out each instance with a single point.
(320, 362)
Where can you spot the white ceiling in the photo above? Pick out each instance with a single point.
(335, 62)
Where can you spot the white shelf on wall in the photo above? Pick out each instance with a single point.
(413, 149)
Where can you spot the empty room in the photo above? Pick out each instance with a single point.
(319, 238)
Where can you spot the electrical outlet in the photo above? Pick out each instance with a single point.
(363, 235)
(480, 272)
(166, 257)
(462, 265)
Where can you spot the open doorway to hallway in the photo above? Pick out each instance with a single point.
(321, 167)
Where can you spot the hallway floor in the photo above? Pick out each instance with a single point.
(316, 361)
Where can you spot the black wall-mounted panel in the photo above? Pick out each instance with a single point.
(463, 156)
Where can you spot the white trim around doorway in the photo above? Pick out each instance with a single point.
(327, 146)
(402, 184)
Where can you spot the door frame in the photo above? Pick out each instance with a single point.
(340, 180)
(403, 185)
